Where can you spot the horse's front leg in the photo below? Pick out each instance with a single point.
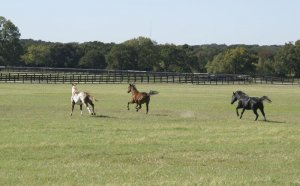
(72, 108)
(239, 106)
(242, 113)
(237, 111)
(130, 102)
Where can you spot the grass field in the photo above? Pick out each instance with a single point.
(191, 136)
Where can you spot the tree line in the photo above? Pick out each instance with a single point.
(145, 54)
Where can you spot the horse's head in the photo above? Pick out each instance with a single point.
(234, 97)
(130, 87)
(74, 88)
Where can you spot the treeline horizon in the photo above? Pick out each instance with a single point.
(144, 54)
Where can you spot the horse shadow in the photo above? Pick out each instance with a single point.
(102, 116)
(273, 121)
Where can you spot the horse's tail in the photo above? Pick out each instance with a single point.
(92, 98)
(152, 92)
(265, 98)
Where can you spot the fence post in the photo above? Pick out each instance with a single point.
(134, 77)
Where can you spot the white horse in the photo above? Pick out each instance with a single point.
(81, 98)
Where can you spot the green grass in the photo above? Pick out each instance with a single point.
(190, 136)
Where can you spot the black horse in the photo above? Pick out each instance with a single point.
(249, 103)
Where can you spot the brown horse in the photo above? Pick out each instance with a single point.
(139, 97)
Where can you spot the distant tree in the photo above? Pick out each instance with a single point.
(36, 55)
(10, 47)
(288, 60)
(146, 52)
(169, 58)
(233, 61)
(93, 59)
(177, 58)
(266, 60)
(103, 48)
(264, 66)
(206, 53)
(122, 57)
(64, 55)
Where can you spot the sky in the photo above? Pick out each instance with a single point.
(192, 22)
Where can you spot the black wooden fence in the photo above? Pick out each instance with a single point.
(62, 75)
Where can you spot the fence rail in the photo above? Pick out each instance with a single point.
(62, 75)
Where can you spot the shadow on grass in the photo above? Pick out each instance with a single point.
(102, 116)
(267, 121)
(160, 114)
(272, 121)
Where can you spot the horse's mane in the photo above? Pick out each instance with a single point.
(241, 93)
(134, 87)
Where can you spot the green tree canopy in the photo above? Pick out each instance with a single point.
(10, 47)
(288, 60)
(146, 52)
(175, 59)
(64, 55)
(93, 59)
(37, 55)
(122, 57)
(233, 61)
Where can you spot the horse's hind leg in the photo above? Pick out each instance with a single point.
(72, 108)
(263, 113)
(81, 109)
(87, 107)
(255, 112)
(147, 107)
(138, 106)
(93, 108)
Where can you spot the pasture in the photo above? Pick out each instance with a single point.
(191, 136)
